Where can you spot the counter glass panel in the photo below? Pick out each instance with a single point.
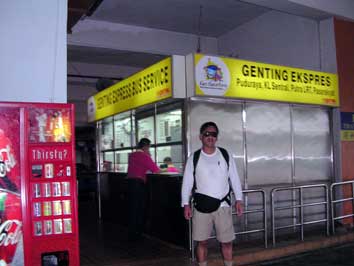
(146, 129)
(152, 153)
(121, 161)
(106, 134)
(107, 162)
(169, 126)
(174, 152)
(122, 130)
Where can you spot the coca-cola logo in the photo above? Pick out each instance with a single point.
(7, 161)
(10, 232)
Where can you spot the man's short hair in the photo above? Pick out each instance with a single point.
(208, 124)
(167, 160)
(143, 142)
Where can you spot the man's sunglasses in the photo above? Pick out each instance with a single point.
(209, 133)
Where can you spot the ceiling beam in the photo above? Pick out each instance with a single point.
(80, 8)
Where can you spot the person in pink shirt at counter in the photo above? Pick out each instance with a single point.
(170, 167)
(139, 164)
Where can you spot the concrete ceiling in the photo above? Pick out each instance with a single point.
(199, 17)
(217, 17)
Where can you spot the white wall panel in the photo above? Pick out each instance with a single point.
(33, 50)
(312, 145)
(328, 46)
(268, 132)
(275, 38)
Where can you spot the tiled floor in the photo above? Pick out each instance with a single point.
(104, 244)
(336, 256)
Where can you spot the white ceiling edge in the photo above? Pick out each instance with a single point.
(315, 9)
(341, 8)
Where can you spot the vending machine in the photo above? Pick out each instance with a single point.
(38, 195)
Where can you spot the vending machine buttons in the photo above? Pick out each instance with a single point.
(58, 226)
(57, 210)
(37, 209)
(49, 170)
(56, 189)
(46, 190)
(51, 191)
(68, 170)
(66, 188)
(66, 207)
(48, 227)
(37, 228)
(47, 208)
(37, 170)
(67, 225)
(36, 190)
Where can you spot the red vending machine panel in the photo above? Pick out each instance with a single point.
(46, 185)
(11, 222)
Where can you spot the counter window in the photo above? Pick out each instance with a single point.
(146, 129)
(121, 161)
(169, 126)
(106, 134)
(107, 161)
(174, 152)
(122, 131)
(161, 123)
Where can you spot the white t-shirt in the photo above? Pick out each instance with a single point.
(211, 176)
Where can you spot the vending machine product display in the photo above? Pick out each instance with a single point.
(38, 198)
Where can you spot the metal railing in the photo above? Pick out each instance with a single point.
(328, 198)
(246, 211)
(336, 199)
(299, 204)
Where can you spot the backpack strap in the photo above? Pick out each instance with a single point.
(227, 197)
(196, 156)
(226, 156)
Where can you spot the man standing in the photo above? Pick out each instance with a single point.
(139, 163)
(210, 176)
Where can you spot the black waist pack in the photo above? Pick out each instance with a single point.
(206, 204)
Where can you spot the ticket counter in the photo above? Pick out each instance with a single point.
(164, 216)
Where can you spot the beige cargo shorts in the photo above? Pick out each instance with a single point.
(221, 219)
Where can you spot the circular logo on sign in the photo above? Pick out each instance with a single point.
(212, 76)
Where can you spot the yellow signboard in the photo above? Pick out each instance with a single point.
(147, 86)
(347, 135)
(227, 77)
